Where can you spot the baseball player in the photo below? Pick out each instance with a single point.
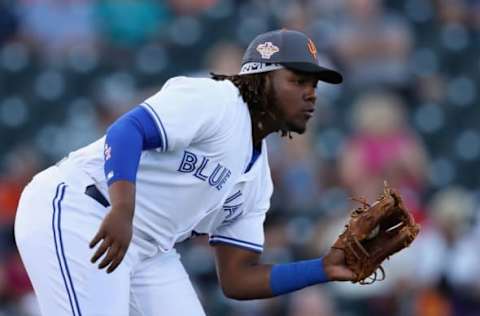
(189, 160)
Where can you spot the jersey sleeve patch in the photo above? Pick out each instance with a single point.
(158, 121)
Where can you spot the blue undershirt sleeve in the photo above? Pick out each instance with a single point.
(126, 138)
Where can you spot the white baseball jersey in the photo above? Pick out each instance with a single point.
(195, 182)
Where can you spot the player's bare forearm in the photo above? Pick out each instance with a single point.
(241, 275)
(122, 197)
(115, 231)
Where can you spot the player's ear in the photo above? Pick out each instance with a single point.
(268, 81)
(267, 77)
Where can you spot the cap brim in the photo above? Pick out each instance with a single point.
(324, 74)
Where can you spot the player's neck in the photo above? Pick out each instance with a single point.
(262, 126)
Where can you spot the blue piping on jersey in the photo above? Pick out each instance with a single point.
(160, 126)
(214, 239)
(237, 240)
(214, 242)
(256, 153)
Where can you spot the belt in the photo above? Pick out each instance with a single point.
(93, 192)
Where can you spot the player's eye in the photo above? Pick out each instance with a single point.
(306, 81)
(300, 81)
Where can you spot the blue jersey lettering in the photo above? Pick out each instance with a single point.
(217, 177)
(188, 163)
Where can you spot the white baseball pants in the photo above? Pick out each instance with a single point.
(54, 225)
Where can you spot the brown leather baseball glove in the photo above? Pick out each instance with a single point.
(374, 233)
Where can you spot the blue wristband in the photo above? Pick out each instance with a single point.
(289, 277)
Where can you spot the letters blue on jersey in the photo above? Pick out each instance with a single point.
(216, 178)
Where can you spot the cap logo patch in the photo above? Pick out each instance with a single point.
(312, 49)
(267, 49)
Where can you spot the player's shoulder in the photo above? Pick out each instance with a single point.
(206, 87)
(199, 97)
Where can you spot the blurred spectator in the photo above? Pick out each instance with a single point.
(296, 17)
(129, 23)
(475, 15)
(313, 301)
(373, 46)
(224, 58)
(431, 88)
(54, 27)
(451, 214)
(383, 147)
(20, 164)
(295, 172)
(190, 7)
(431, 302)
(18, 288)
(276, 238)
(456, 11)
(115, 94)
(446, 267)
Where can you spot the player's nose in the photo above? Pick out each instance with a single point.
(310, 95)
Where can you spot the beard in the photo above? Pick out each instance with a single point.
(296, 128)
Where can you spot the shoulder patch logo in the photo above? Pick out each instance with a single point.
(312, 49)
(267, 49)
(107, 152)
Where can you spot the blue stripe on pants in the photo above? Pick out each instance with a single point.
(56, 221)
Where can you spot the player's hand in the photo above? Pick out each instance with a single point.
(115, 233)
(335, 267)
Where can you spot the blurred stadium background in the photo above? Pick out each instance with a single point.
(408, 112)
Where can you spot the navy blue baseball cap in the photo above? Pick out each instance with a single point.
(288, 49)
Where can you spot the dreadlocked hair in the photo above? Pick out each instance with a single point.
(252, 90)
